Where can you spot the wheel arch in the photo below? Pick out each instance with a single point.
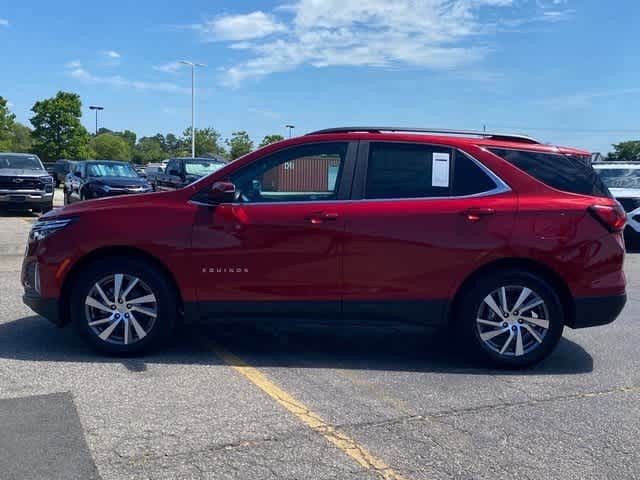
(554, 279)
(101, 253)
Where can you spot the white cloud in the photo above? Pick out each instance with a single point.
(242, 27)
(118, 81)
(111, 54)
(586, 99)
(4, 22)
(431, 34)
(171, 67)
(73, 64)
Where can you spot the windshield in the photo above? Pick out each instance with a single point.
(201, 168)
(620, 177)
(111, 170)
(27, 162)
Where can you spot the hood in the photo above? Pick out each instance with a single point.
(20, 172)
(625, 192)
(154, 199)
(120, 182)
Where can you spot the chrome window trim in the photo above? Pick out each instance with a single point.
(501, 187)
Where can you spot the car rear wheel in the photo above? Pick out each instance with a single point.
(513, 319)
(123, 305)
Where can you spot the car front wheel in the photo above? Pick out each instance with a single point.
(513, 319)
(123, 305)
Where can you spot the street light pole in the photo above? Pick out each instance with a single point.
(290, 127)
(97, 109)
(193, 103)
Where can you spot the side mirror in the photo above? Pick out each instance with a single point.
(174, 173)
(77, 174)
(222, 192)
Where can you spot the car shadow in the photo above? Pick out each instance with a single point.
(303, 345)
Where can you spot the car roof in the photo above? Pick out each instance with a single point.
(455, 138)
(617, 165)
(14, 154)
(208, 159)
(118, 162)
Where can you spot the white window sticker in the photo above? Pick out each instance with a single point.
(440, 170)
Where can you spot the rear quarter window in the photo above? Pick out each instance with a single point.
(566, 173)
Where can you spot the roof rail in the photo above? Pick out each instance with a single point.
(475, 133)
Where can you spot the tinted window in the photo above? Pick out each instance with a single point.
(308, 173)
(469, 178)
(172, 165)
(561, 172)
(397, 170)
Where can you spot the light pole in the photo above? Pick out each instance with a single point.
(96, 108)
(193, 103)
(290, 127)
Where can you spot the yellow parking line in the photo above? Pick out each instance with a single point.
(306, 416)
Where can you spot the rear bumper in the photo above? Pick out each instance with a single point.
(46, 307)
(595, 311)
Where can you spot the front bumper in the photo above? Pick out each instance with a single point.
(46, 307)
(25, 199)
(595, 311)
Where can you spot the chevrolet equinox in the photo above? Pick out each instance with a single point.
(502, 238)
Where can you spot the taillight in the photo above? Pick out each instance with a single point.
(612, 217)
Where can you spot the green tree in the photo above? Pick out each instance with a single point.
(239, 144)
(108, 146)
(207, 142)
(269, 139)
(148, 149)
(7, 122)
(22, 140)
(175, 147)
(57, 131)
(625, 151)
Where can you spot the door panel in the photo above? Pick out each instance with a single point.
(418, 250)
(249, 255)
(278, 249)
(405, 257)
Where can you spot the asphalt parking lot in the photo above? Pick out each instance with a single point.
(256, 401)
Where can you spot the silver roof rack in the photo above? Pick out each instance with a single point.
(441, 131)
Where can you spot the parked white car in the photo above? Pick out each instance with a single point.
(623, 180)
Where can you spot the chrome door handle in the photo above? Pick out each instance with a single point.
(321, 217)
(475, 214)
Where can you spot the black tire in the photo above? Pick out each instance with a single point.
(155, 280)
(473, 298)
(47, 208)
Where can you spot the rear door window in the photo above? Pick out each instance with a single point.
(411, 170)
(566, 173)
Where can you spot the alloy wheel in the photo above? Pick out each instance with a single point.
(512, 320)
(121, 309)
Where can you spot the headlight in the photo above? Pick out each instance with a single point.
(42, 229)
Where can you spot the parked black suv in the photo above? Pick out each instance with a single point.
(181, 172)
(102, 178)
(24, 182)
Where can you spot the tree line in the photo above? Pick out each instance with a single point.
(57, 133)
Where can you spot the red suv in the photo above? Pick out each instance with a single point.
(502, 238)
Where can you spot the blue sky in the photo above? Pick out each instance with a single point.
(565, 71)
